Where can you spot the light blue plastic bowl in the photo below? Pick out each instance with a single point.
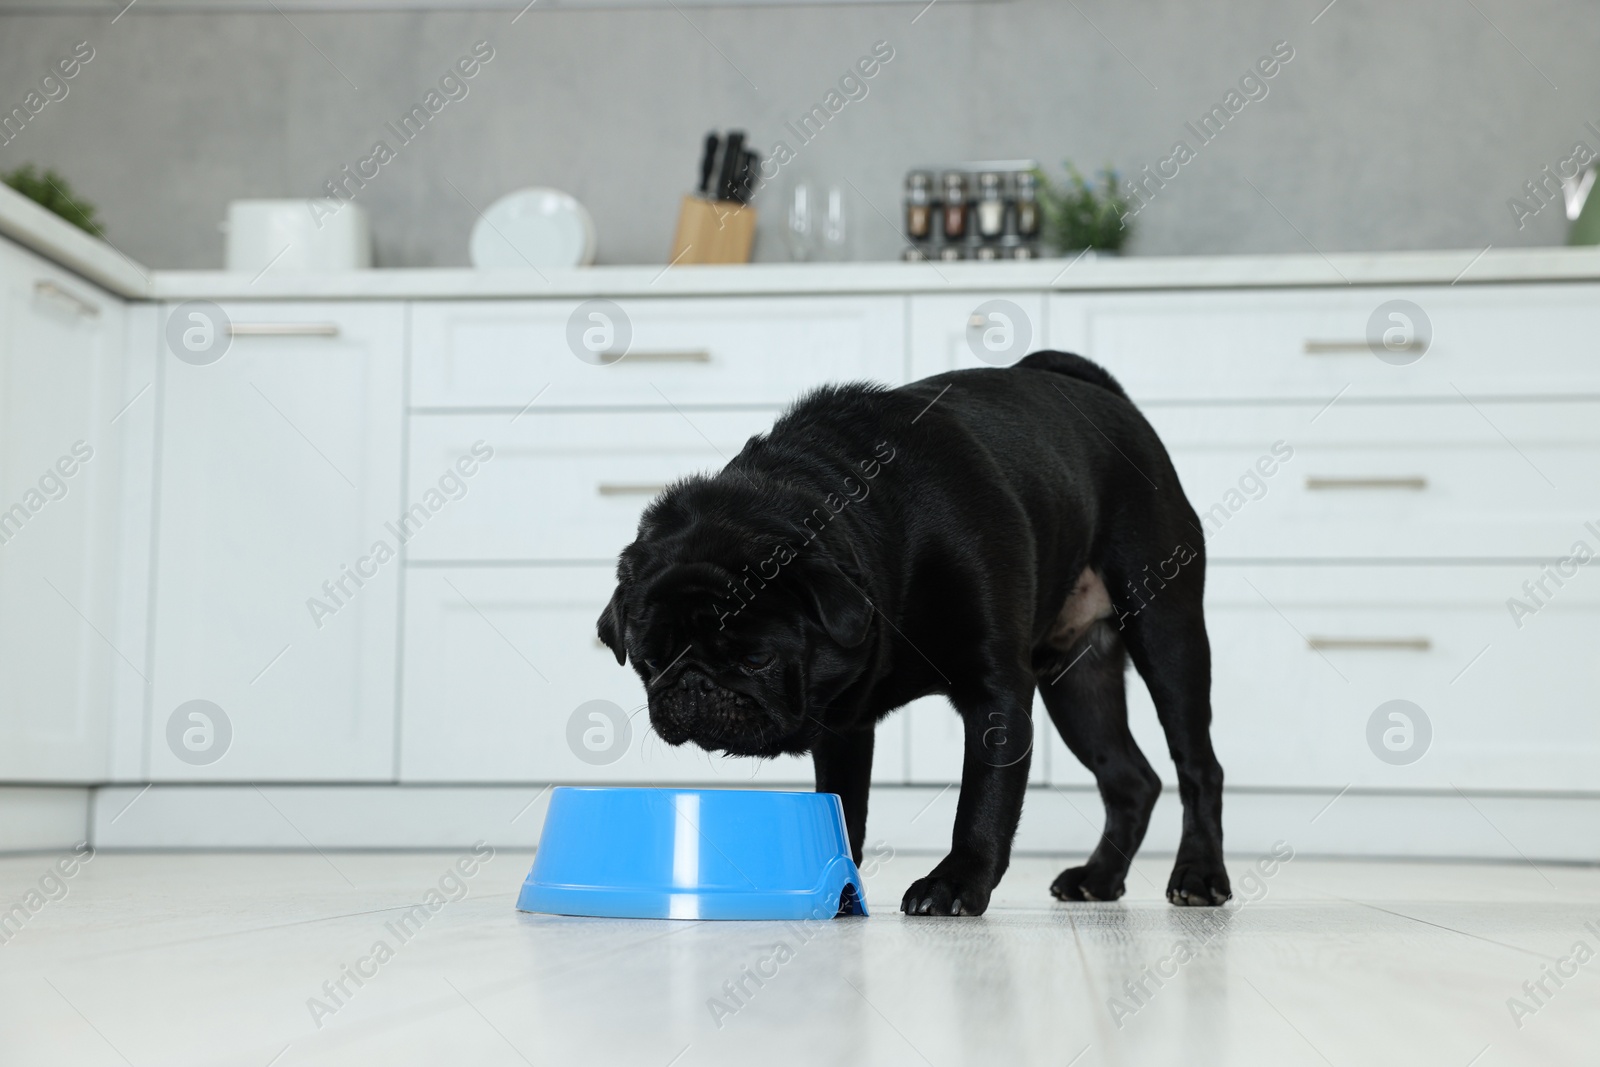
(646, 853)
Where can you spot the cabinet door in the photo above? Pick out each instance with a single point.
(278, 570)
(974, 330)
(501, 666)
(60, 660)
(657, 353)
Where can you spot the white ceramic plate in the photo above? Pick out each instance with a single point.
(540, 228)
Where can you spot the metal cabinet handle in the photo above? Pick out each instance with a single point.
(283, 329)
(629, 489)
(1414, 483)
(977, 321)
(1362, 347)
(667, 355)
(45, 287)
(1377, 644)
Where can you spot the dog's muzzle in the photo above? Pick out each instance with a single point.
(695, 708)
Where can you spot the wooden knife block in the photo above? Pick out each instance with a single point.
(713, 231)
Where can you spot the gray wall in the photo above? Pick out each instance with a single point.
(1395, 126)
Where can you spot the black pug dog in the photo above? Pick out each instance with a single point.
(978, 534)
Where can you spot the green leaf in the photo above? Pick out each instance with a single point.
(51, 191)
(1082, 214)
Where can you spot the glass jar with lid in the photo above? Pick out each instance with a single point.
(955, 205)
(919, 205)
(991, 209)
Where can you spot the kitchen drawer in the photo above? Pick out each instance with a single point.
(1508, 707)
(1311, 343)
(764, 350)
(561, 485)
(1485, 479)
(965, 330)
(498, 661)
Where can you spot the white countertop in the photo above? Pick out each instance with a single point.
(100, 262)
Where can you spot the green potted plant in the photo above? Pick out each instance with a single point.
(1081, 214)
(50, 190)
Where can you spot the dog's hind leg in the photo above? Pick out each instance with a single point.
(1167, 640)
(1086, 694)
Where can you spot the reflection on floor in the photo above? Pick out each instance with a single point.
(251, 960)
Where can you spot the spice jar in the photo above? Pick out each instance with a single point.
(919, 205)
(955, 205)
(1027, 213)
(991, 206)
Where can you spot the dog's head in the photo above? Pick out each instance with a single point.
(742, 625)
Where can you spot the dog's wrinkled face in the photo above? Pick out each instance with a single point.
(738, 654)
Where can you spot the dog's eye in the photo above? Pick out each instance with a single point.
(755, 661)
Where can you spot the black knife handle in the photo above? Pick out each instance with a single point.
(732, 152)
(708, 160)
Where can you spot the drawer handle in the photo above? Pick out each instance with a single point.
(1376, 644)
(685, 355)
(283, 329)
(1362, 347)
(1413, 483)
(44, 287)
(630, 489)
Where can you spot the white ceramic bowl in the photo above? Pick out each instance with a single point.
(541, 228)
(297, 236)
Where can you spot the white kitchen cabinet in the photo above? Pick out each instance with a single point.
(1274, 345)
(500, 662)
(1378, 564)
(1502, 478)
(966, 330)
(500, 645)
(730, 350)
(63, 654)
(1303, 657)
(278, 571)
(561, 485)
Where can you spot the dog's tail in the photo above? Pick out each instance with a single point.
(1073, 367)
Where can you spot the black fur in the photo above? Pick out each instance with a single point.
(879, 545)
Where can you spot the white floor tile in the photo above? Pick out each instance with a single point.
(211, 958)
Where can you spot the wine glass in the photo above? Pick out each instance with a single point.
(835, 226)
(801, 232)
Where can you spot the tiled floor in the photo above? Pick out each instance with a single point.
(216, 958)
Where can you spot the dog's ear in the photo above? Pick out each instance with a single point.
(838, 602)
(613, 626)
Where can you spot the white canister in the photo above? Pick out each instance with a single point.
(297, 235)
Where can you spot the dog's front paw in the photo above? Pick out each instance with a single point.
(1087, 883)
(1199, 884)
(947, 894)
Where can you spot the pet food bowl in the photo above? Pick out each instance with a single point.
(693, 854)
